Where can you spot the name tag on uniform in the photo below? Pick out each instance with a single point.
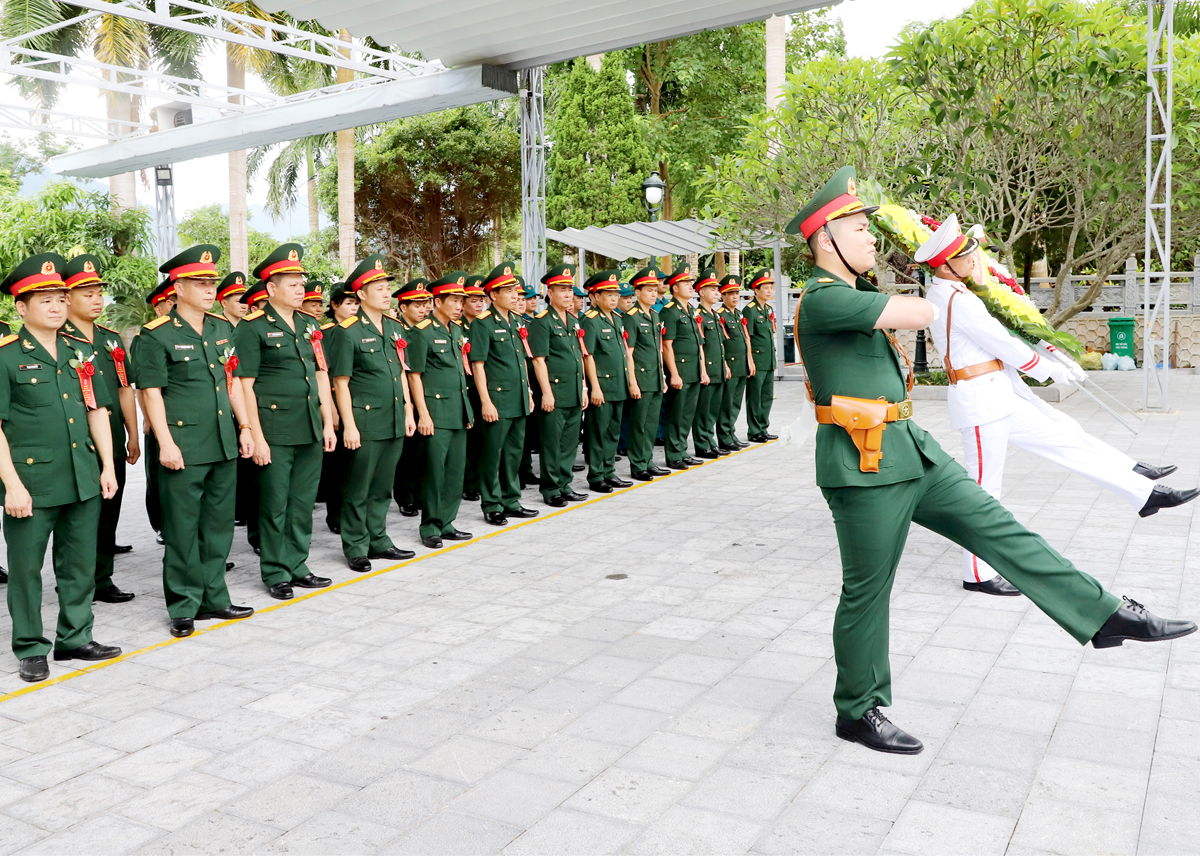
(439, 342)
(29, 366)
(606, 330)
(185, 348)
(372, 339)
(274, 333)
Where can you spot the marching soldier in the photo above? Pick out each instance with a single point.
(646, 383)
(739, 361)
(608, 375)
(556, 340)
(85, 304)
(712, 347)
(473, 305)
(499, 348)
(533, 423)
(285, 384)
(335, 463)
(760, 387)
(366, 357)
(56, 463)
(415, 305)
(439, 363)
(880, 472)
(682, 347)
(184, 367)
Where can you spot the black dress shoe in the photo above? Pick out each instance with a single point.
(122, 548)
(233, 611)
(574, 496)
(655, 470)
(658, 441)
(725, 449)
(431, 542)
(281, 591)
(1134, 622)
(159, 539)
(336, 529)
(758, 438)
(93, 651)
(496, 519)
(741, 444)
(35, 668)
(1163, 497)
(577, 468)
(677, 465)
(471, 495)
(182, 627)
(408, 510)
(521, 512)
(393, 553)
(692, 462)
(229, 564)
(112, 595)
(642, 475)
(457, 536)
(616, 482)
(599, 487)
(311, 581)
(1152, 472)
(240, 523)
(707, 453)
(617, 457)
(556, 502)
(359, 563)
(996, 586)
(257, 550)
(3, 575)
(875, 731)
(770, 436)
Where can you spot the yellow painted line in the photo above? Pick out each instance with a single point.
(358, 578)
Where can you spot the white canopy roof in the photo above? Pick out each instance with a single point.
(665, 237)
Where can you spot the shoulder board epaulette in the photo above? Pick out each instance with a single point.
(309, 314)
(668, 304)
(484, 314)
(542, 313)
(158, 322)
(216, 316)
(328, 325)
(632, 310)
(72, 336)
(256, 314)
(826, 280)
(423, 323)
(458, 321)
(348, 322)
(591, 313)
(9, 340)
(107, 329)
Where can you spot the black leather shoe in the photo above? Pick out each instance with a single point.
(692, 462)
(496, 519)
(3, 575)
(229, 565)
(642, 475)
(336, 529)
(677, 465)
(556, 502)
(431, 542)
(457, 535)
(112, 595)
(35, 668)
(574, 496)
(521, 512)
(758, 438)
(122, 548)
(233, 611)
(1134, 622)
(725, 449)
(311, 581)
(1152, 472)
(359, 563)
(876, 732)
(93, 651)
(1163, 497)
(257, 550)
(393, 553)
(996, 586)
(159, 539)
(741, 444)
(281, 591)
(616, 482)
(655, 470)
(770, 436)
(599, 487)
(577, 468)
(408, 511)
(710, 454)
(473, 496)
(182, 627)
(658, 441)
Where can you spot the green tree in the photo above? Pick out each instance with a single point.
(209, 224)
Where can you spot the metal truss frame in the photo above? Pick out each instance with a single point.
(533, 173)
(26, 118)
(1160, 102)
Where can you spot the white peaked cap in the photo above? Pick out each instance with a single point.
(943, 244)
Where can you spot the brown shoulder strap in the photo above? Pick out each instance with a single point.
(946, 357)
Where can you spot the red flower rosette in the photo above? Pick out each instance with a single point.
(523, 332)
(582, 348)
(118, 356)
(401, 344)
(85, 371)
(466, 350)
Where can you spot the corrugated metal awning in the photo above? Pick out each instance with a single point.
(623, 241)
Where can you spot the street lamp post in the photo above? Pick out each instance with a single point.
(921, 360)
(653, 188)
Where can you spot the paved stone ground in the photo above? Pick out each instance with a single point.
(512, 696)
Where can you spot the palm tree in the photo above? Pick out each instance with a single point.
(293, 160)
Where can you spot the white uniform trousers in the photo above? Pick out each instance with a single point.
(1055, 437)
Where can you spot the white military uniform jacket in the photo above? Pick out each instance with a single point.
(977, 337)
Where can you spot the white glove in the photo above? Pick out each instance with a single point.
(1077, 372)
(1060, 374)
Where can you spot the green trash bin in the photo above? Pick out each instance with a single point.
(1120, 335)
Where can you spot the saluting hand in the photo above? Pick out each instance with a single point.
(18, 503)
(170, 457)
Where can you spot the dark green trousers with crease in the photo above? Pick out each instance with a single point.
(704, 423)
(603, 431)
(500, 463)
(643, 426)
(365, 502)
(560, 441)
(441, 493)
(732, 393)
(760, 395)
(681, 410)
(287, 491)
(197, 505)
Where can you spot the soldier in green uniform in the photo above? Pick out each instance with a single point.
(285, 383)
(578, 300)
(184, 368)
(533, 422)
(416, 303)
(556, 340)
(608, 372)
(230, 294)
(366, 360)
(5, 330)
(162, 299)
(335, 463)
(56, 462)
(682, 347)
(760, 387)
(439, 363)
(85, 304)
(473, 305)
(646, 382)
(712, 348)
(880, 472)
(314, 298)
(739, 361)
(499, 348)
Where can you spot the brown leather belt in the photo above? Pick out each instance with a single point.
(864, 420)
(896, 411)
(973, 371)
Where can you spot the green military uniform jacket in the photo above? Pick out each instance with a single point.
(189, 368)
(713, 345)
(734, 340)
(558, 342)
(500, 345)
(760, 324)
(368, 356)
(604, 339)
(680, 328)
(107, 344)
(645, 338)
(844, 355)
(45, 419)
(284, 365)
(5, 330)
(436, 352)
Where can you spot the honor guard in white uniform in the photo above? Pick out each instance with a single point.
(992, 407)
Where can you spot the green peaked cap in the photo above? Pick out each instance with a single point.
(284, 259)
(837, 199)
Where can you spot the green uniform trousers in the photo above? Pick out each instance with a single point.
(287, 491)
(365, 502)
(246, 499)
(603, 431)
(410, 472)
(732, 393)
(334, 467)
(106, 535)
(500, 464)
(560, 440)
(872, 525)
(760, 395)
(197, 505)
(681, 410)
(74, 529)
(471, 476)
(704, 423)
(441, 493)
(150, 462)
(643, 427)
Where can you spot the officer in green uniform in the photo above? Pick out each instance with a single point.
(533, 422)
(366, 360)
(646, 383)
(5, 330)
(285, 382)
(739, 361)
(415, 306)
(760, 387)
(473, 305)
(114, 371)
(556, 340)
(686, 371)
(230, 294)
(162, 299)
(335, 463)
(880, 472)
(439, 363)
(712, 347)
(608, 372)
(184, 368)
(499, 348)
(55, 463)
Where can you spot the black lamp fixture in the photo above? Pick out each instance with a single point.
(653, 188)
